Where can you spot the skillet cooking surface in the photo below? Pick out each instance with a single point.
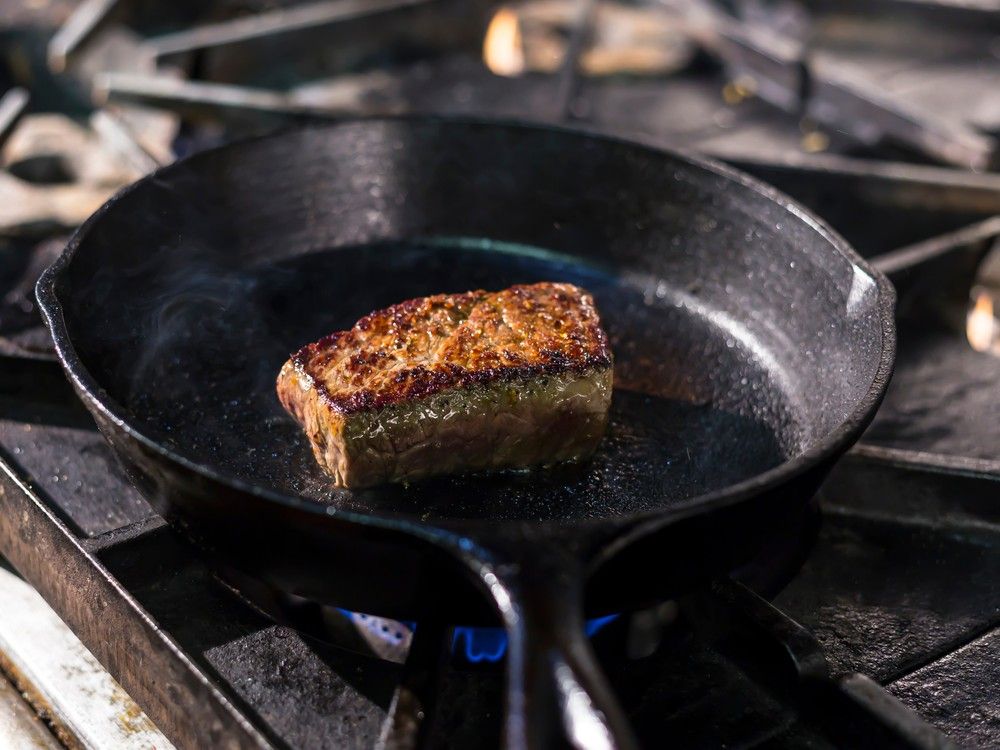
(675, 430)
(741, 336)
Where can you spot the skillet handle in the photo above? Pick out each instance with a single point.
(556, 695)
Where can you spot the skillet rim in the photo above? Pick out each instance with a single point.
(831, 445)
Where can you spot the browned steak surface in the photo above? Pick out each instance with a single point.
(455, 382)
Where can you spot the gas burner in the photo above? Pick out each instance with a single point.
(391, 639)
(371, 635)
(384, 638)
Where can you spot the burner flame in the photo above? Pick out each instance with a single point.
(490, 644)
(503, 50)
(981, 326)
(391, 639)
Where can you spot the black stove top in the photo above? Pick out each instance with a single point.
(875, 624)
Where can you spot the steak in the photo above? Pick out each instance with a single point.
(455, 382)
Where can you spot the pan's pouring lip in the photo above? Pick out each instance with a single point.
(829, 446)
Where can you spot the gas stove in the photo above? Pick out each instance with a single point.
(874, 618)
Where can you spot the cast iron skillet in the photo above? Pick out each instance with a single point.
(752, 346)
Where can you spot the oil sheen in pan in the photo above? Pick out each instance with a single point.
(693, 410)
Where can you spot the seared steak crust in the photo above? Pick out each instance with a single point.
(376, 400)
(426, 345)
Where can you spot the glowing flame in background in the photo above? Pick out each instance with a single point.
(981, 326)
(503, 49)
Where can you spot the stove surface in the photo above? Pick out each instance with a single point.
(879, 626)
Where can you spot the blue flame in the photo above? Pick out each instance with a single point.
(490, 644)
(482, 644)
